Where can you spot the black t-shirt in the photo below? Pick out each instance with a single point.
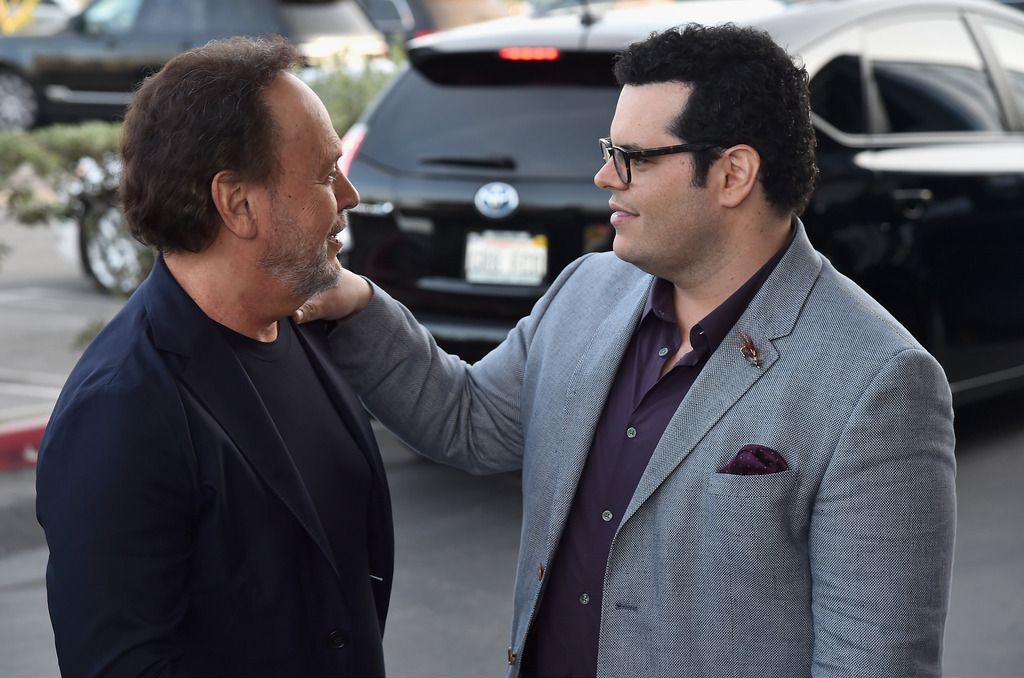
(334, 469)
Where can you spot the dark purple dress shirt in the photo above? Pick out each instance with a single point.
(563, 638)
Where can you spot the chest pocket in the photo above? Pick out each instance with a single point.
(759, 560)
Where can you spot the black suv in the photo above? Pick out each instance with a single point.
(475, 167)
(91, 67)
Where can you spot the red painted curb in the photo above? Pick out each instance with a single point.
(19, 444)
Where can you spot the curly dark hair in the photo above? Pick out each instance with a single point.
(744, 89)
(202, 113)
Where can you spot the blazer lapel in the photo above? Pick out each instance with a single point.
(587, 391)
(771, 315)
(212, 373)
(722, 382)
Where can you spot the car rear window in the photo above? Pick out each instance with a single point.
(306, 20)
(467, 114)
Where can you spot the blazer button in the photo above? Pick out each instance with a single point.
(511, 656)
(336, 639)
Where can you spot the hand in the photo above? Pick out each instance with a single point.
(349, 295)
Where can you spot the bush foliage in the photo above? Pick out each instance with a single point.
(36, 165)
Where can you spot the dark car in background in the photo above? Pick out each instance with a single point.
(89, 69)
(475, 167)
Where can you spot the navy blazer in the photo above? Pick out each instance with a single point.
(182, 539)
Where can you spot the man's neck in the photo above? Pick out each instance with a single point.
(695, 299)
(231, 295)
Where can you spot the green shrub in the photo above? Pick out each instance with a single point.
(50, 154)
(37, 168)
(51, 150)
(346, 96)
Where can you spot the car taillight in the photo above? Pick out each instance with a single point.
(350, 144)
(529, 53)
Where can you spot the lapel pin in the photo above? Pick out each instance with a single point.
(748, 349)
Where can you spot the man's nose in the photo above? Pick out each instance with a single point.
(345, 193)
(607, 178)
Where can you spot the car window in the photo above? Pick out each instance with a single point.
(930, 77)
(837, 94)
(110, 16)
(183, 17)
(532, 121)
(247, 17)
(304, 21)
(837, 80)
(1008, 45)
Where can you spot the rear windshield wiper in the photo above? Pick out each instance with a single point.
(489, 162)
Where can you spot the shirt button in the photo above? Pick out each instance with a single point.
(663, 352)
(336, 639)
(606, 516)
(584, 599)
(540, 571)
(631, 432)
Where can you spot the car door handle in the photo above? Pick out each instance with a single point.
(912, 202)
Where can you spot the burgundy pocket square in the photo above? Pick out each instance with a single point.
(755, 460)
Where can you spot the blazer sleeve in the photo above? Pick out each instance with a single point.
(115, 498)
(462, 415)
(881, 532)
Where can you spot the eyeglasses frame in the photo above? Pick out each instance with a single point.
(608, 150)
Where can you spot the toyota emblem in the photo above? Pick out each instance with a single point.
(496, 200)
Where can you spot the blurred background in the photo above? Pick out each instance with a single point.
(470, 129)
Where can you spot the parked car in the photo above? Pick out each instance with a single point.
(475, 202)
(90, 69)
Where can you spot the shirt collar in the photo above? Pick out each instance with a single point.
(715, 325)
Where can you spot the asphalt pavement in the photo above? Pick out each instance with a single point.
(456, 535)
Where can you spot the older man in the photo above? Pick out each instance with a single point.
(212, 495)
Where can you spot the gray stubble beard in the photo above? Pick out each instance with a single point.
(303, 279)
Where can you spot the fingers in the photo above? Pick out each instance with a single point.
(350, 295)
(308, 311)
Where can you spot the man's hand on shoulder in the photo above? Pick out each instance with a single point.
(349, 295)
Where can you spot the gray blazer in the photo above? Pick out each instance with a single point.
(839, 566)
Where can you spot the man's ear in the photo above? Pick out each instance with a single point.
(233, 199)
(736, 174)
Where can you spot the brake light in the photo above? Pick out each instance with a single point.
(350, 144)
(529, 53)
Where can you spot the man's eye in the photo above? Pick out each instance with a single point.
(333, 176)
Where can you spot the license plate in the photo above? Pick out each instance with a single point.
(506, 258)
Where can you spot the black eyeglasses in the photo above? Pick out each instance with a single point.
(621, 157)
